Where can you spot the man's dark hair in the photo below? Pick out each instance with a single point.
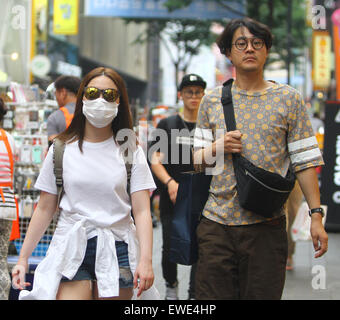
(258, 29)
(69, 83)
(3, 109)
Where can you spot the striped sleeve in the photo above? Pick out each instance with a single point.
(303, 147)
(8, 196)
(5, 167)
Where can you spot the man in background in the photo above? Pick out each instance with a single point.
(66, 89)
(168, 171)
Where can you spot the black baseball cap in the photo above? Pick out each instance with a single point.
(192, 80)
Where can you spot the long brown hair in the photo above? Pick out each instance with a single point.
(123, 120)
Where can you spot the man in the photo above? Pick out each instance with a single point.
(66, 95)
(168, 166)
(242, 255)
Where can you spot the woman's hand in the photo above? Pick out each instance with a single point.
(18, 275)
(144, 276)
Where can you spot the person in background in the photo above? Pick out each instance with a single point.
(292, 206)
(6, 179)
(66, 89)
(167, 171)
(295, 199)
(317, 123)
(243, 255)
(98, 250)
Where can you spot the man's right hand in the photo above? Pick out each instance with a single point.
(229, 143)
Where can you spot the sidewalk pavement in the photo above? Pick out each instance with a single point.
(314, 279)
(311, 279)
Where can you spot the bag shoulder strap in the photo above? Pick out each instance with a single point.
(228, 107)
(58, 154)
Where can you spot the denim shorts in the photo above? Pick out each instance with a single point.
(86, 270)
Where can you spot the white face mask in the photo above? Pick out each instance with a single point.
(99, 112)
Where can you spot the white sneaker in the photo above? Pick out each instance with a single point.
(171, 292)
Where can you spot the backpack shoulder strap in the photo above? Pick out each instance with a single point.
(128, 166)
(58, 154)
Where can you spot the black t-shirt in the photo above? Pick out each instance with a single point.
(175, 141)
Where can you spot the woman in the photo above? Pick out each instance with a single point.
(6, 181)
(94, 252)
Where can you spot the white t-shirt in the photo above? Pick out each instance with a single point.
(95, 181)
(95, 202)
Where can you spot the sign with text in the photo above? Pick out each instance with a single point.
(68, 69)
(330, 175)
(155, 9)
(65, 17)
(321, 59)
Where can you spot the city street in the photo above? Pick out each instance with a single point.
(322, 274)
(243, 89)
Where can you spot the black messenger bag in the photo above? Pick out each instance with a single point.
(258, 190)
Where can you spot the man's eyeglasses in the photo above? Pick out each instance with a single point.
(110, 94)
(189, 93)
(242, 43)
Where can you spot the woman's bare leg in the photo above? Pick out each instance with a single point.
(75, 290)
(124, 294)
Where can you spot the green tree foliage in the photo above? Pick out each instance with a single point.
(189, 35)
(274, 13)
(186, 35)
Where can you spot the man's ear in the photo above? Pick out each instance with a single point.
(228, 55)
(268, 52)
(64, 92)
(179, 96)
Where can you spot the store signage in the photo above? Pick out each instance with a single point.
(336, 17)
(68, 69)
(65, 17)
(330, 175)
(321, 59)
(336, 43)
(40, 65)
(309, 4)
(202, 9)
